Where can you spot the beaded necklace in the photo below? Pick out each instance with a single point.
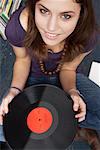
(54, 71)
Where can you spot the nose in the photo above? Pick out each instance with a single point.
(52, 24)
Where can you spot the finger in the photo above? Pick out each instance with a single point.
(5, 107)
(1, 109)
(82, 105)
(6, 102)
(81, 114)
(2, 112)
(81, 119)
(1, 120)
(76, 103)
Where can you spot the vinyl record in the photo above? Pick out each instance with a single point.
(41, 117)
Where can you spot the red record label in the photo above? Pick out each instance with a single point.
(39, 120)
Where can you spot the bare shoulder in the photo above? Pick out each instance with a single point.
(20, 52)
(24, 18)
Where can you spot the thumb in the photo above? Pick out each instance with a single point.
(1, 120)
(6, 102)
(6, 108)
(76, 102)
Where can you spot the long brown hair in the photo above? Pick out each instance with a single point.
(75, 44)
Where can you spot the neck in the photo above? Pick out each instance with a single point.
(56, 48)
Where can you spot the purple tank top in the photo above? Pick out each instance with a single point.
(14, 31)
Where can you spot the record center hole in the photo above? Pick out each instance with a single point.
(39, 120)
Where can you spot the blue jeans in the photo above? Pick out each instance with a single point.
(87, 88)
(91, 93)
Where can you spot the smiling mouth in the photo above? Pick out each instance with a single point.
(51, 36)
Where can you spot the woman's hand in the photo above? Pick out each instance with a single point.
(5, 102)
(78, 105)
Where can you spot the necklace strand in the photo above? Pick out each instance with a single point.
(54, 71)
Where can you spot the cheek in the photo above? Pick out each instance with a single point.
(37, 20)
(40, 23)
(70, 27)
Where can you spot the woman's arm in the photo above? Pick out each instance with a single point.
(68, 82)
(20, 73)
(68, 79)
(68, 72)
(21, 67)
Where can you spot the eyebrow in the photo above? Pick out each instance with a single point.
(44, 7)
(61, 12)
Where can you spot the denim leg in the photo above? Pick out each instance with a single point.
(53, 80)
(1, 134)
(91, 93)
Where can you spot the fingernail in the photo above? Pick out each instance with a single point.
(75, 108)
(6, 111)
(1, 123)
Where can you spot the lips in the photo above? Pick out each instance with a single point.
(51, 36)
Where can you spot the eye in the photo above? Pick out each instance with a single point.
(43, 11)
(65, 16)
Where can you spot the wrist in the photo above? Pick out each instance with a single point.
(74, 90)
(15, 90)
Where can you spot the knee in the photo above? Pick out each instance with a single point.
(81, 77)
(85, 83)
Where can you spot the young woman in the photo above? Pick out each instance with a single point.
(50, 38)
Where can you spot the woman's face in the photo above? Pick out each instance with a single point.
(56, 19)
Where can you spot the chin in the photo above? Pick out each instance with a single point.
(50, 42)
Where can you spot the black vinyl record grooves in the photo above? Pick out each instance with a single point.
(40, 117)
